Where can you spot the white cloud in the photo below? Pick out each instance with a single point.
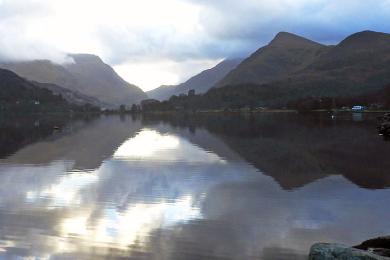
(145, 37)
(150, 74)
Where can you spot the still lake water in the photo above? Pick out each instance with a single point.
(209, 187)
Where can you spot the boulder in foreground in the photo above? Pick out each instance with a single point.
(325, 251)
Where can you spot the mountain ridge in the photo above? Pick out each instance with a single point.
(358, 64)
(285, 54)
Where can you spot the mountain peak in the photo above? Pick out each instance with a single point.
(284, 39)
(366, 39)
(84, 58)
(281, 35)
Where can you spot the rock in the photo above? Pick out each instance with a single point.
(384, 129)
(384, 126)
(379, 246)
(324, 251)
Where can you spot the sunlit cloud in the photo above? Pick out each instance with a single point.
(133, 35)
(150, 74)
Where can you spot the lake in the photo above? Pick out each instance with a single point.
(202, 187)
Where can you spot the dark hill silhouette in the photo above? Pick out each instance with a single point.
(285, 54)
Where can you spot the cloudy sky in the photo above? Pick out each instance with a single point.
(155, 42)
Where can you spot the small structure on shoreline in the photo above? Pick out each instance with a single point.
(358, 108)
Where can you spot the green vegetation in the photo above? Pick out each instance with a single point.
(249, 97)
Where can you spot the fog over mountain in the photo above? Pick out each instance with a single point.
(87, 74)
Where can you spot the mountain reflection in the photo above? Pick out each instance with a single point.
(296, 150)
(208, 187)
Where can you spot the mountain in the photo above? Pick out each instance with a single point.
(360, 64)
(201, 82)
(285, 54)
(361, 60)
(87, 75)
(291, 68)
(18, 94)
(295, 72)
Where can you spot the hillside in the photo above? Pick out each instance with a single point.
(20, 95)
(285, 54)
(201, 82)
(357, 65)
(88, 75)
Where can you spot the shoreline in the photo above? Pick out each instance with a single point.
(266, 111)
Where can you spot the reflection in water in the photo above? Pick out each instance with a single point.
(209, 187)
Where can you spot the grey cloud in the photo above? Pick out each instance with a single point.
(236, 28)
(16, 42)
(228, 28)
(256, 22)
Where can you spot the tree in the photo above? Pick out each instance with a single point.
(122, 108)
(134, 108)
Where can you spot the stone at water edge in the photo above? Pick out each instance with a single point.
(325, 251)
(379, 246)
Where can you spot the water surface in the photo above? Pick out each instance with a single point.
(204, 187)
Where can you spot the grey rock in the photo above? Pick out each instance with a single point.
(379, 245)
(325, 251)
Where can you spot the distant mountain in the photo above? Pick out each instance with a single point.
(285, 54)
(87, 75)
(163, 92)
(201, 82)
(18, 94)
(291, 68)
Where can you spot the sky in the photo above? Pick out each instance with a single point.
(164, 42)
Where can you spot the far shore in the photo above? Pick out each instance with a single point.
(266, 111)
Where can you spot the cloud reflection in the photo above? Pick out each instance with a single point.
(150, 144)
(150, 183)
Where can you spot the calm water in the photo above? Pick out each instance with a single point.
(210, 187)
